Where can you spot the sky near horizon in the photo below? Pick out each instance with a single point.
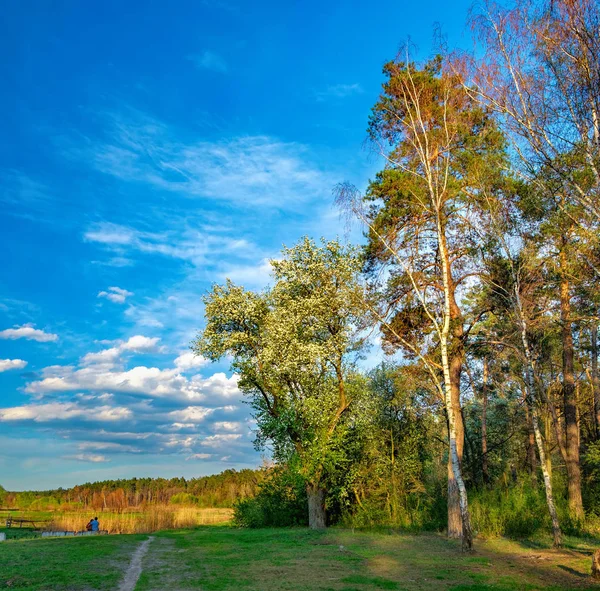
(148, 150)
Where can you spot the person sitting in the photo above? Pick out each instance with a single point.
(88, 526)
(95, 524)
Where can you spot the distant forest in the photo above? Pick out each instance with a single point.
(219, 490)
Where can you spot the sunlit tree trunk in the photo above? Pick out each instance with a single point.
(452, 394)
(569, 398)
(595, 378)
(455, 525)
(530, 385)
(484, 405)
(531, 459)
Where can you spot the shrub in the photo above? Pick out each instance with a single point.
(280, 502)
(183, 499)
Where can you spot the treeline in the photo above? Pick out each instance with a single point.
(480, 273)
(219, 490)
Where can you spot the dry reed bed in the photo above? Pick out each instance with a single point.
(151, 520)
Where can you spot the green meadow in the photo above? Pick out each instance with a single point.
(224, 558)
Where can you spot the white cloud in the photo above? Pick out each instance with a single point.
(111, 234)
(199, 457)
(257, 275)
(208, 60)
(180, 426)
(99, 374)
(6, 364)
(197, 247)
(61, 411)
(140, 344)
(108, 446)
(190, 360)
(248, 170)
(182, 442)
(27, 331)
(220, 438)
(116, 295)
(226, 426)
(192, 414)
(108, 357)
(93, 458)
(339, 91)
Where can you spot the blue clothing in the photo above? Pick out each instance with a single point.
(95, 525)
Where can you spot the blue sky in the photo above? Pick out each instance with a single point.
(147, 150)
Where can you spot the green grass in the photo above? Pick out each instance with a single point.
(17, 533)
(74, 564)
(219, 558)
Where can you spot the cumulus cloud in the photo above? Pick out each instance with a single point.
(27, 331)
(253, 275)
(135, 344)
(108, 407)
(63, 411)
(226, 426)
(103, 372)
(190, 360)
(148, 381)
(191, 414)
(220, 438)
(6, 364)
(116, 295)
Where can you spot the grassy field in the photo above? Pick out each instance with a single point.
(221, 558)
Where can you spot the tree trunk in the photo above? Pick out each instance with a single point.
(595, 379)
(570, 402)
(452, 369)
(531, 459)
(530, 386)
(596, 565)
(317, 518)
(484, 405)
(455, 525)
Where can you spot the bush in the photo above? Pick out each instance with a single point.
(183, 499)
(280, 502)
(516, 510)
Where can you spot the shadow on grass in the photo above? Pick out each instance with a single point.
(432, 562)
(573, 571)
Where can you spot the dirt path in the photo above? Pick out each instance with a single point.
(135, 567)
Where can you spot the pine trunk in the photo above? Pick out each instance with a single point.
(317, 518)
(569, 400)
(452, 369)
(595, 379)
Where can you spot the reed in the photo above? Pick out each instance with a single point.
(154, 518)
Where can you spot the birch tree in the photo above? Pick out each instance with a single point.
(538, 68)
